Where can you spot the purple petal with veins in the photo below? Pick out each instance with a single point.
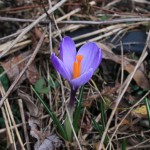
(91, 56)
(68, 52)
(84, 78)
(60, 67)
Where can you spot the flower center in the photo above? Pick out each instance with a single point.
(77, 66)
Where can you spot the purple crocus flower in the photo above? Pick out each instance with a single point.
(77, 67)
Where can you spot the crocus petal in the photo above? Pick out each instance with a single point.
(68, 52)
(60, 67)
(100, 57)
(91, 56)
(84, 78)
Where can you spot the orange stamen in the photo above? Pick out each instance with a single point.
(77, 66)
(79, 58)
(75, 70)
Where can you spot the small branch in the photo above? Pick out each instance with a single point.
(113, 21)
(9, 19)
(11, 119)
(20, 103)
(28, 28)
(22, 72)
(106, 21)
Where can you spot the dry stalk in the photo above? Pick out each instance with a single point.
(28, 28)
(24, 123)
(121, 122)
(10, 123)
(108, 31)
(79, 133)
(69, 28)
(141, 1)
(7, 127)
(50, 29)
(21, 44)
(18, 46)
(7, 106)
(143, 56)
(103, 30)
(99, 94)
(10, 36)
(11, 128)
(111, 4)
(50, 92)
(114, 21)
(22, 72)
(100, 37)
(24, 42)
(106, 22)
(7, 120)
(14, 124)
(68, 15)
(20, 124)
(139, 144)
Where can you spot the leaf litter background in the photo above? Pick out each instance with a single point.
(120, 85)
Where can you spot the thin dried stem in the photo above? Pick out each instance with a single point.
(28, 28)
(27, 65)
(114, 21)
(121, 122)
(7, 106)
(143, 56)
(7, 127)
(24, 123)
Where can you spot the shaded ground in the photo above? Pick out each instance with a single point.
(112, 109)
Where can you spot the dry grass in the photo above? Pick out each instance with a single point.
(39, 31)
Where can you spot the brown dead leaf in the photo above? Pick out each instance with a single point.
(34, 124)
(51, 143)
(126, 122)
(13, 66)
(107, 90)
(140, 112)
(87, 103)
(93, 97)
(45, 141)
(32, 74)
(36, 133)
(86, 125)
(32, 108)
(129, 65)
(96, 146)
(37, 33)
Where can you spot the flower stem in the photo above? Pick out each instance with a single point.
(72, 100)
(70, 109)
